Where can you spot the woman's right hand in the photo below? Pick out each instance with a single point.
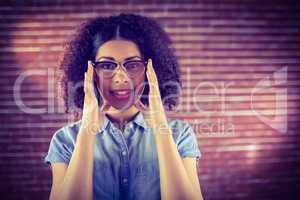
(92, 116)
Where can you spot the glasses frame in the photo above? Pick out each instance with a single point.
(120, 65)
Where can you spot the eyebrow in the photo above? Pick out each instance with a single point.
(111, 58)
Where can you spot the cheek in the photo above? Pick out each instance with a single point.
(103, 86)
(139, 85)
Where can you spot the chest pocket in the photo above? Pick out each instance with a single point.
(146, 170)
(146, 181)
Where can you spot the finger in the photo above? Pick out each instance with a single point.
(89, 85)
(85, 83)
(148, 73)
(90, 71)
(152, 80)
(151, 71)
(87, 76)
(143, 109)
(139, 92)
(105, 106)
(140, 106)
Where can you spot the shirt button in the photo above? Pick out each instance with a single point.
(124, 153)
(125, 180)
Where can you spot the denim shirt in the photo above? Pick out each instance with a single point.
(125, 163)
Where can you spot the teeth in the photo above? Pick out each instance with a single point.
(122, 92)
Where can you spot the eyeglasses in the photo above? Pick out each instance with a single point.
(107, 68)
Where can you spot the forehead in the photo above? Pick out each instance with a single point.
(118, 49)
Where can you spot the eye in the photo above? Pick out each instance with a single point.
(133, 65)
(106, 65)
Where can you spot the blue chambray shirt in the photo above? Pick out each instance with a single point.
(125, 164)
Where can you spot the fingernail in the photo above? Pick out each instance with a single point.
(89, 64)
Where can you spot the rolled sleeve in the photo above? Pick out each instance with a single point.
(60, 148)
(187, 142)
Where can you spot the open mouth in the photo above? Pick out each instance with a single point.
(121, 94)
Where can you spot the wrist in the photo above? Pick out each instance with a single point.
(85, 139)
(88, 130)
(162, 129)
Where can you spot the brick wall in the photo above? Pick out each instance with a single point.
(240, 68)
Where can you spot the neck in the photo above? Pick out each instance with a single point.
(121, 117)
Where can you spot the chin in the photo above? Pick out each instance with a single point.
(122, 105)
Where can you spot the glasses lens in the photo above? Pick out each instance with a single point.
(105, 69)
(134, 68)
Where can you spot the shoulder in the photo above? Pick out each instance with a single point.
(62, 143)
(180, 127)
(68, 132)
(185, 138)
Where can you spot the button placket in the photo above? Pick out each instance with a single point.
(125, 180)
(124, 159)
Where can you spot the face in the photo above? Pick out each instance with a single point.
(120, 90)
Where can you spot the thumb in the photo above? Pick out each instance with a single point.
(140, 106)
(105, 106)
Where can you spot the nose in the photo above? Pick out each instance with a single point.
(120, 77)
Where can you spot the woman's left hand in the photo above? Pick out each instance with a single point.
(154, 115)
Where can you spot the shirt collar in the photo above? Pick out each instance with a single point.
(105, 124)
(139, 120)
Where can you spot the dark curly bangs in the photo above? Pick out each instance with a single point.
(152, 41)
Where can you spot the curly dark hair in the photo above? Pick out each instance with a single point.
(152, 41)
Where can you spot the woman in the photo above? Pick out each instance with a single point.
(124, 147)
